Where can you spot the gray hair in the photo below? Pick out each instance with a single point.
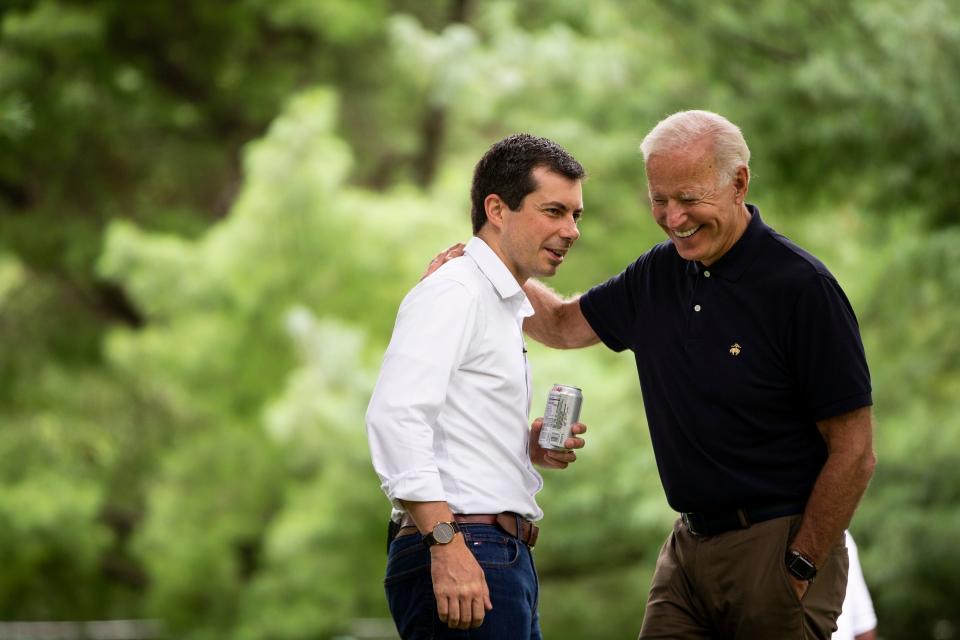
(683, 128)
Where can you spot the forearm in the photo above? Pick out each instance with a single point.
(832, 503)
(427, 514)
(459, 584)
(544, 325)
(839, 487)
(556, 322)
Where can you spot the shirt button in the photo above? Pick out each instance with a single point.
(696, 307)
(706, 274)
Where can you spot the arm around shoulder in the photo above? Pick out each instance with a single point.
(556, 322)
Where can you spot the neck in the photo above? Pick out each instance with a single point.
(743, 221)
(491, 236)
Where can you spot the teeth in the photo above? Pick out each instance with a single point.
(687, 234)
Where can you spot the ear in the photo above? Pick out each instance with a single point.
(495, 208)
(741, 184)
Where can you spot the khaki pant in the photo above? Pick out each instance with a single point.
(735, 585)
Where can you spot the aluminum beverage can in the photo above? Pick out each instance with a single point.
(562, 412)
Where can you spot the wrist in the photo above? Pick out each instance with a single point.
(442, 534)
(455, 546)
(800, 565)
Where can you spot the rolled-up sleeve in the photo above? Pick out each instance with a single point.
(430, 338)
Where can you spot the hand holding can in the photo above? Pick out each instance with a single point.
(561, 413)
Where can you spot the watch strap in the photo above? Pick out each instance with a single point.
(429, 539)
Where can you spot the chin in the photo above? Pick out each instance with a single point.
(691, 255)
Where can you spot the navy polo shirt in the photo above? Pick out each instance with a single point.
(737, 362)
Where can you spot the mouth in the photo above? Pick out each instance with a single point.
(557, 254)
(687, 233)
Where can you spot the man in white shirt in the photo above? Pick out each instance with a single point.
(857, 621)
(447, 423)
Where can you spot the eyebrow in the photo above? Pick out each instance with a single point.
(558, 205)
(684, 194)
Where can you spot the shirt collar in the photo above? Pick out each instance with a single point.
(497, 273)
(741, 255)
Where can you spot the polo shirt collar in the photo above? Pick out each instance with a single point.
(733, 264)
(497, 273)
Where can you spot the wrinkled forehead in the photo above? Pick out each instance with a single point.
(683, 168)
(691, 155)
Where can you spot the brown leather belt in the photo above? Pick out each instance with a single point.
(507, 521)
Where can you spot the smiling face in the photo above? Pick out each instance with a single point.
(702, 217)
(533, 240)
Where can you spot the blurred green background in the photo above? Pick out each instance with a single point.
(210, 211)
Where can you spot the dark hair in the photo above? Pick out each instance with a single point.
(506, 170)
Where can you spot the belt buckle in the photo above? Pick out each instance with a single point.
(743, 519)
(685, 518)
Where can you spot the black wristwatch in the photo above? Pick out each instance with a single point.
(800, 566)
(442, 533)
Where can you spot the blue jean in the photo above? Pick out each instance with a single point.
(507, 567)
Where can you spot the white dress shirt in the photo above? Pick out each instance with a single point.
(448, 420)
(858, 615)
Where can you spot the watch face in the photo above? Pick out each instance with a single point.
(800, 566)
(443, 532)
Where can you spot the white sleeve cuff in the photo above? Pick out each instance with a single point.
(419, 485)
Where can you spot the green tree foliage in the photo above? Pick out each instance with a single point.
(209, 213)
(275, 444)
(841, 89)
(912, 506)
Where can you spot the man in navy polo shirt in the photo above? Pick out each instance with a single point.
(756, 390)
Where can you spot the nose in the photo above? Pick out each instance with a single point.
(675, 214)
(569, 230)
